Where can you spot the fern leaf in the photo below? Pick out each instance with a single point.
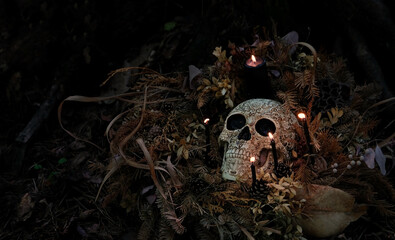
(165, 231)
(289, 99)
(145, 230)
(203, 99)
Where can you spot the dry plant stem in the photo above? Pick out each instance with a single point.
(151, 102)
(361, 117)
(387, 141)
(112, 123)
(174, 177)
(312, 51)
(313, 70)
(246, 232)
(128, 137)
(87, 99)
(112, 74)
(122, 145)
(147, 156)
(73, 98)
(166, 89)
(108, 175)
(335, 180)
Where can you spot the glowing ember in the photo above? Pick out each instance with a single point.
(206, 121)
(252, 159)
(301, 115)
(270, 135)
(253, 58)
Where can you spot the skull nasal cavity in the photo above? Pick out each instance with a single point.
(245, 134)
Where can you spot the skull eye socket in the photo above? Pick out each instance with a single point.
(264, 126)
(235, 122)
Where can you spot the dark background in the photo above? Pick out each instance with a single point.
(43, 42)
(75, 44)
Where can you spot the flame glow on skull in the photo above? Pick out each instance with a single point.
(246, 135)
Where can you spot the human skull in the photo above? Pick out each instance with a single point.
(246, 135)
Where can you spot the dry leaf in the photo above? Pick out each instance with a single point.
(380, 159)
(329, 210)
(25, 207)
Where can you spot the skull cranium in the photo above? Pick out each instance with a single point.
(246, 134)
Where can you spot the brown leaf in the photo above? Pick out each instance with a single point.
(25, 207)
(329, 210)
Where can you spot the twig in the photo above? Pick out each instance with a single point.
(387, 141)
(34, 124)
(41, 114)
(359, 122)
(112, 74)
(151, 102)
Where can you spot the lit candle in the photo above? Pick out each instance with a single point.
(258, 85)
(255, 62)
(207, 131)
(252, 160)
(302, 117)
(274, 151)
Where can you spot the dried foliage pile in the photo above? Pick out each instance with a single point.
(164, 164)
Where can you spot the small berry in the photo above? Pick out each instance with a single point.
(350, 156)
(358, 162)
(335, 165)
(361, 158)
(349, 166)
(334, 170)
(352, 163)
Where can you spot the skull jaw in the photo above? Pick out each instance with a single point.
(227, 176)
(239, 168)
(234, 169)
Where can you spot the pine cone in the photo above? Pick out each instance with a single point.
(259, 190)
(283, 170)
(197, 185)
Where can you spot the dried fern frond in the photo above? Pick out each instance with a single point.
(288, 78)
(165, 231)
(190, 205)
(203, 99)
(304, 175)
(146, 229)
(202, 233)
(330, 147)
(169, 215)
(289, 99)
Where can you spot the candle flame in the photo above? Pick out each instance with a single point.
(270, 135)
(206, 121)
(252, 159)
(253, 58)
(301, 115)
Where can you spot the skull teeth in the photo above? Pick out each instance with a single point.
(238, 153)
